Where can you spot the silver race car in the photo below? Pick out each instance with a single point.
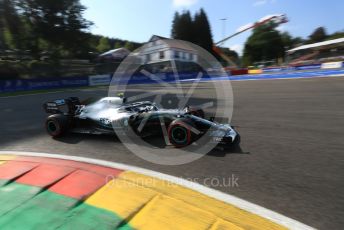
(110, 115)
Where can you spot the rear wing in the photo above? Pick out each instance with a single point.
(62, 106)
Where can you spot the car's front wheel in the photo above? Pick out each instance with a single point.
(179, 134)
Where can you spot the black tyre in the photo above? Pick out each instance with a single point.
(179, 133)
(57, 125)
(235, 145)
(237, 140)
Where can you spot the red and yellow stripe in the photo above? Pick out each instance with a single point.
(49, 193)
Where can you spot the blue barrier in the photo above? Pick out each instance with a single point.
(66, 82)
(267, 70)
(39, 84)
(304, 67)
(291, 68)
(140, 78)
(54, 83)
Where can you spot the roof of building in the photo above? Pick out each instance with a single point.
(156, 37)
(110, 52)
(173, 43)
(318, 44)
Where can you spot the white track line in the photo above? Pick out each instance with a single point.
(230, 199)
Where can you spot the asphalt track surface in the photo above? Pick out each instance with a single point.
(291, 159)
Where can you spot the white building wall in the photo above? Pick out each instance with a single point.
(153, 49)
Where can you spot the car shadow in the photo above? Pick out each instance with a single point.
(216, 152)
(75, 138)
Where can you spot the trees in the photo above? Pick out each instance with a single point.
(58, 22)
(202, 31)
(128, 45)
(118, 45)
(196, 30)
(264, 44)
(231, 54)
(104, 45)
(318, 35)
(175, 26)
(335, 35)
(41, 24)
(297, 41)
(287, 40)
(290, 41)
(11, 25)
(182, 27)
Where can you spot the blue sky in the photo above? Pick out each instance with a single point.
(137, 20)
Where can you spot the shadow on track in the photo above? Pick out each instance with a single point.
(157, 142)
(76, 138)
(222, 153)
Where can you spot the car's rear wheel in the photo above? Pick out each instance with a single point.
(56, 125)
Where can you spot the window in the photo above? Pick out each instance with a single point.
(161, 54)
(191, 57)
(148, 57)
(176, 54)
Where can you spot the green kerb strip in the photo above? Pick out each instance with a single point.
(13, 195)
(23, 207)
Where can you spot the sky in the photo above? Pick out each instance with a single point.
(138, 20)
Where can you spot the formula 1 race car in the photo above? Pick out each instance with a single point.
(109, 114)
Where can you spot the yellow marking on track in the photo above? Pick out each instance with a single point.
(146, 202)
(224, 225)
(4, 157)
(191, 198)
(121, 197)
(164, 212)
(145, 208)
